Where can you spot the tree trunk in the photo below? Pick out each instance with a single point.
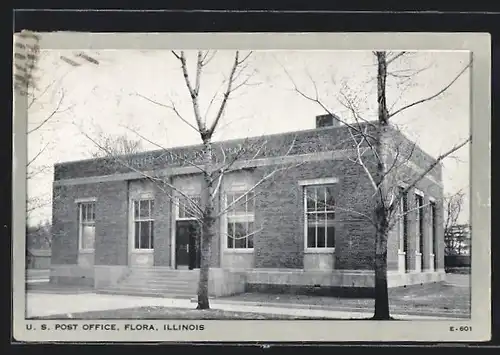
(381, 291)
(207, 228)
(381, 210)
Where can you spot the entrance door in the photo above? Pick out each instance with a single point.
(187, 250)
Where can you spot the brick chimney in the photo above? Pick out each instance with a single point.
(327, 120)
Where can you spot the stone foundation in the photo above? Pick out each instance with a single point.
(226, 282)
(71, 275)
(109, 275)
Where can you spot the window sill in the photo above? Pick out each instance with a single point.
(238, 251)
(319, 250)
(86, 251)
(142, 251)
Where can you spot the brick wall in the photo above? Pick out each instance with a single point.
(279, 207)
(111, 245)
(111, 222)
(280, 213)
(162, 225)
(65, 221)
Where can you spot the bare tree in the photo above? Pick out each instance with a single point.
(44, 103)
(375, 145)
(39, 236)
(116, 146)
(453, 207)
(214, 160)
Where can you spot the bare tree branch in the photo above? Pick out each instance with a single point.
(189, 162)
(226, 94)
(396, 56)
(37, 155)
(52, 114)
(434, 95)
(265, 178)
(436, 162)
(170, 107)
(192, 92)
(360, 160)
(142, 173)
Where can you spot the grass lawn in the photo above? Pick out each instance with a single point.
(157, 312)
(431, 299)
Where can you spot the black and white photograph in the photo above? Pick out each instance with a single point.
(172, 188)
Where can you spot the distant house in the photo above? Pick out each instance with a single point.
(38, 258)
(120, 232)
(457, 246)
(38, 250)
(457, 239)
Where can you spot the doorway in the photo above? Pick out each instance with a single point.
(187, 244)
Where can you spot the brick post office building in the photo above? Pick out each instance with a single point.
(128, 224)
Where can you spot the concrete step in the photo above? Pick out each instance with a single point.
(163, 276)
(158, 281)
(147, 292)
(158, 290)
(156, 285)
(163, 269)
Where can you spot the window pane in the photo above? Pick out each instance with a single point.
(321, 237)
(330, 217)
(88, 236)
(137, 234)
(144, 243)
(136, 209)
(152, 207)
(330, 198)
(239, 234)
(250, 240)
(250, 230)
(311, 199)
(311, 236)
(151, 233)
(321, 191)
(93, 212)
(144, 209)
(311, 219)
(194, 205)
(330, 237)
(83, 208)
(230, 233)
(181, 208)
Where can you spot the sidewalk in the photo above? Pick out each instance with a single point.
(41, 304)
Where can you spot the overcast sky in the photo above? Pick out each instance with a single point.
(106, 98)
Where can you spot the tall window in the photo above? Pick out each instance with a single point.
(433, 232)
(187, 208)
(86, 216)
(320, 216)
(143, 224)
(402, 209)
(240, 220)
(419, 203)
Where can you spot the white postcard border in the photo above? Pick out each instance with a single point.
(287, 330)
